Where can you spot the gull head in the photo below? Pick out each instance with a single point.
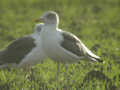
(50, 17)
(38, 28)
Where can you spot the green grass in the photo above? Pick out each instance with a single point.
(95, 22)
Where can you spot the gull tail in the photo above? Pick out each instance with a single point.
(91, 55)
(96, 59)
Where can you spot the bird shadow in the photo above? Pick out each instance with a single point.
(99, 76)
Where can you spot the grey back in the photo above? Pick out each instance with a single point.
(17, 50)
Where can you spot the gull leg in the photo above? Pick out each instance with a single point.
(27, 69)
(66, 77)
(66, 69)
(57, 75)
(58, 71)
(29, 75)
(31, 78)
(65, 72)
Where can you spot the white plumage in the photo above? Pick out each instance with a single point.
(62, 46)
(37, 54)
(51, 45)
(24, 52)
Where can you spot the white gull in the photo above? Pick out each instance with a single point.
(62, 46)
(23, 52)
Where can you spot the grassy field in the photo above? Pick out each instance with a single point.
(95, 22)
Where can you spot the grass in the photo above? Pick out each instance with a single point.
(95, 22)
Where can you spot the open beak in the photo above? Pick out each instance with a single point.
(39, 19)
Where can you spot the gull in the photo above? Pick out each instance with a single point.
(62, 46)
(23, 52)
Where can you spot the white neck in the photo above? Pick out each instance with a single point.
(51, 26)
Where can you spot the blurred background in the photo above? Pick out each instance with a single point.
(95, 22)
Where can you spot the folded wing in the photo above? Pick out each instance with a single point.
(73, 44)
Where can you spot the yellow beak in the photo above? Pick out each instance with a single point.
(39, 19)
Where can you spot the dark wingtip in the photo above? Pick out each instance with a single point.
(101, 61)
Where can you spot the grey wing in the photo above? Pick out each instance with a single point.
(16, 51)
(74, 45)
